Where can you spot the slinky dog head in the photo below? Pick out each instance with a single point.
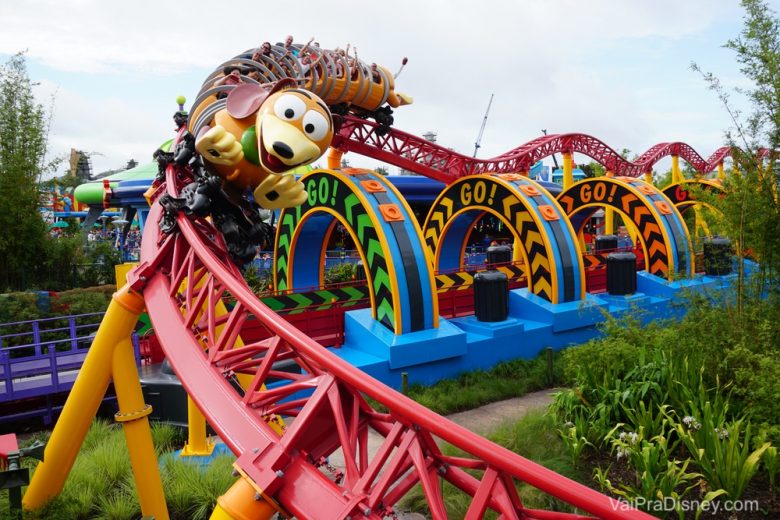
(293, 127)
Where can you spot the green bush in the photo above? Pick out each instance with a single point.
(341, 273)
(101, 483)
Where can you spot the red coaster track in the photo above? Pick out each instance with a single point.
(426, 158)
(186, 273)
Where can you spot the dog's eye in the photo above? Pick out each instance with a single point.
(315, 125)
(289, 107)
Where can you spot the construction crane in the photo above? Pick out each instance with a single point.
(482, 128)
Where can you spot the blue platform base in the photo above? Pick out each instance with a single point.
(365, 334)
(220, 448)
(465, 344)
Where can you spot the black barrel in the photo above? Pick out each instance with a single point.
(360, 271)
(606, 242)
(499, 255)
(717, 256)
(491, 296)
(621, 273)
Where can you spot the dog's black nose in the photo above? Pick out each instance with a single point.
(283, 150)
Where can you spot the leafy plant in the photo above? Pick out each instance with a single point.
(721, 451)
(772, 466)
(574, 439)
(658, 473)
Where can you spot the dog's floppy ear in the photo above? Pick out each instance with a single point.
(246, 98)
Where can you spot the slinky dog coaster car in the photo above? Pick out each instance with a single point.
(264, 131)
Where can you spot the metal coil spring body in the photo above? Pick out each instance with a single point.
(343, 83)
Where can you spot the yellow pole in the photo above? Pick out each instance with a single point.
(676, 174)
(197, 441)
(568, 170)
(84, 399)
(649, 177)
(609, 215)
(721, 173)
(133, 415)
(240, 503)
(334, 158)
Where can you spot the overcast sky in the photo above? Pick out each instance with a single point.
(615, 69)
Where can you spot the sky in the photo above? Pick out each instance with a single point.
(618, 70)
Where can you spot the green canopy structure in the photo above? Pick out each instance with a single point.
(92, 192)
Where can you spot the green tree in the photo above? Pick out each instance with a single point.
(751, 212)
(592, 169)
(24, 125)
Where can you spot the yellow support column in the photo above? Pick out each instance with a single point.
(676, 173)
(568, 170)
(84, 399)
(334, 158)
(197, 441)
(609, 215)
(133, 415)
(721, 173)
(649, 177)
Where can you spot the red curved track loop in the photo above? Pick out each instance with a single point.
(183, 276)
(426, 158)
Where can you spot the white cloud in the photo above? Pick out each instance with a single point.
(556, 64)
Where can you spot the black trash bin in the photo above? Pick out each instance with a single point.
(717, 256)
(606, 242)
(360, 271)
(491, 296)
(621, 273)
(499, 255)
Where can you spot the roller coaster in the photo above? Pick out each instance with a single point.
(283, 433)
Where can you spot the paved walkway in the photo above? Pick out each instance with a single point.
(486, 419)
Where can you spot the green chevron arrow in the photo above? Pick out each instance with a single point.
(284, 241)
(353, 293)
(350, 202)
(273, 303)
(363, 221)
(381, 278)
(384, 309)
(374, 248)
(327, 296)
(301, 300)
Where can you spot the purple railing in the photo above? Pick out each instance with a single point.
(41, 358)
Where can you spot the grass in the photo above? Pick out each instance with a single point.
(473, 389)
(101, 483)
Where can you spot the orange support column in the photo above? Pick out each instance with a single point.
(334, 158)
(242, 502)
(568, 170)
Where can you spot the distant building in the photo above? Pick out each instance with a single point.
(80, 165)
(428, 136)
